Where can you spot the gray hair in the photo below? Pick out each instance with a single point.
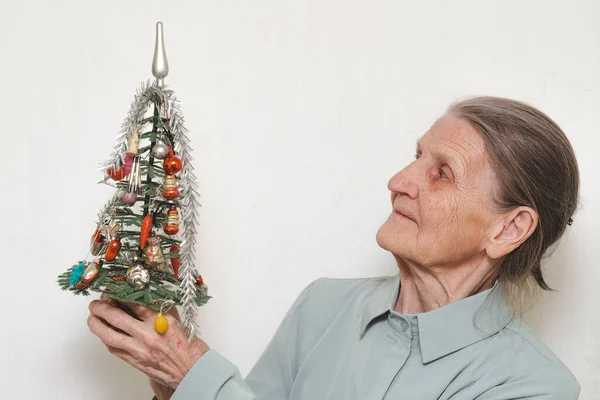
(536, 167)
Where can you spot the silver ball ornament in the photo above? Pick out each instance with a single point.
(160, 150)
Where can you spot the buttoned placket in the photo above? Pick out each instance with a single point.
(397, 338)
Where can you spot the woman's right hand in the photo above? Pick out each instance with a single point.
(161, 391)
(164, 358)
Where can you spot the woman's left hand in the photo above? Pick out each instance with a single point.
(165, 358)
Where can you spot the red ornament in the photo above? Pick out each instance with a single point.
(97, 237)
(199, 280)
(171, 229)
(172, 224)
(91, 271)
(113, 249)
(171, 193)
(172, 165)
(117, 278)
(145, 231)
(175, 261)
(96, 242)
(128, 165)
(116, 174)
(80, 285)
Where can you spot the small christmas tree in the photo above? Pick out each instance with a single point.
(142, 250)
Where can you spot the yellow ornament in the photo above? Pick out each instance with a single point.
(161, 323)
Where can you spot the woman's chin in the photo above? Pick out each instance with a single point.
(388, 239)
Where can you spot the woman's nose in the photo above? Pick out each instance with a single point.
(402, 182)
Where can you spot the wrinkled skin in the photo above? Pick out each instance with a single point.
(447, 191)
(446, 231)
(165, 358)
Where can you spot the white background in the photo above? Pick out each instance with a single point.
(299, 112)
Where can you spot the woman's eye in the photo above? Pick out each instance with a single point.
(442, 174)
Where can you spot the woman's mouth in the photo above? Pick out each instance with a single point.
(400, 214)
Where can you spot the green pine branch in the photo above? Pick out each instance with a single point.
(111, 277)
(162, 287)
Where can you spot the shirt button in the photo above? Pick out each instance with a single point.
(403, 325)
(398, 323)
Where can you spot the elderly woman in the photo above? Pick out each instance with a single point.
(493, 186)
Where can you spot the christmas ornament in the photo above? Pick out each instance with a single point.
(145, 230)
(76, 273)
(116, 174)
(170, 191)
(103, 230)
(129, 197)
(175, 260)
(106, 229)
(114, 230)
(91, 271)
(133, 143)
(128, 165)
(113, 249)
(135, 180)
(134, 186)
(199, 280)
(172, 223)
(96, 242)
(161, 323)
(160, 150)
(155, 258)
(137, 276)
(172, 165)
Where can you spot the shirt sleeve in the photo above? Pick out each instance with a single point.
(538, 383)
(214, 377)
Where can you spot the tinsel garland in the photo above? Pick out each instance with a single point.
(189, 217)
(187, 183)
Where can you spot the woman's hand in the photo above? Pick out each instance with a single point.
(165, 358)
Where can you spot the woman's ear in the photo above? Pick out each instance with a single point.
(510, 231)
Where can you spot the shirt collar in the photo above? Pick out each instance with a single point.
(449, 328)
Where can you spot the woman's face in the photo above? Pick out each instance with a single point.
(442, 205)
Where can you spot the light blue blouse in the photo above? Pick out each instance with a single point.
(342, 340)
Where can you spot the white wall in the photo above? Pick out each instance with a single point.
(299, 113)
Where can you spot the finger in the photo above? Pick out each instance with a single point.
(108, 299)
(143, 312)
(128, 309)
(115, 317)
(109, 336)
(152, 372)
